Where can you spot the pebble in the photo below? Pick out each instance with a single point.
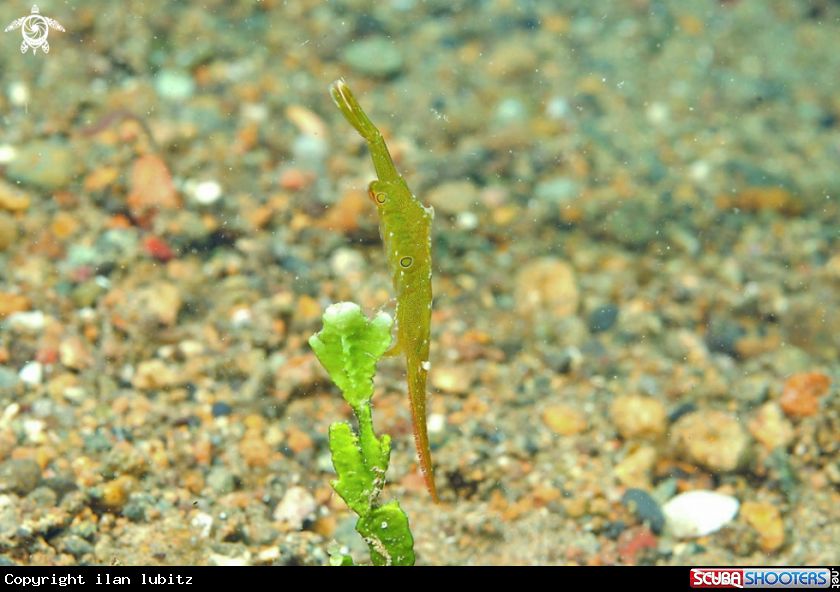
(151, 187)
(638, 417)
(155, 374)
(174, 85)
(114, 494)
(221, 409)
(297, 440)
(8, 377)
(345, 261)
(12, 303)
(27, 321)
(296, 507)
(546, 286)
(602, 319)
(293, 179)
(32, 373)
(12, 198)
(698, 513)
(158, 248)
(712, 439)
(203, 523)
(87, 293)
(756, 199)
(636, 469)
(18, 93)
(19, 476)
(467, 221)
(8, 231)
(454, 197)
(634, 543)
(510, 111)
(74, 354)
(802, 392)
(7, 153)
(645, 507)
(632, 224)
(48, 164)
(191, 348)
(75, 546)
(558, 190)
(451, 379)
(374, 56)
(205, 193)
(255, 451)
(564, 420)
(310, 151)
(307, 121)
(221, 480)
(511, 59)
(160, 300)
(771, 427)
(765, 518)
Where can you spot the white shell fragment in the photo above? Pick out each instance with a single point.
(698, 513)
(32, 373)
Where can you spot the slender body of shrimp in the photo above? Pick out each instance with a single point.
(405, 225)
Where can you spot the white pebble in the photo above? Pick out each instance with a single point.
(698, 513)
(699, 171)
(436, 423)
(191, 348)
(8, 153)
(296, 507)
(256, 112)
(467, 221)
(658, 113)
(32, 373)
(174, 85)
(557, 108)
(75, 394)
(241, 317)
(29, 321)
(202, 522)
(87, 314)
(18, 93)
(206, 193)
(345, 261)
(35, 431)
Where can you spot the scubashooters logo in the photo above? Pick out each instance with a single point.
(749, 577)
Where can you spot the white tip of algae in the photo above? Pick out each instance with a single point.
(340, 309)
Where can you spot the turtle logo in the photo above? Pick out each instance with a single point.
(35, 31)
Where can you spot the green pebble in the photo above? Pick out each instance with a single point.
(374, 56)
(48, 164)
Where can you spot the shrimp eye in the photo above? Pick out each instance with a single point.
(406, 261)
(380, 198)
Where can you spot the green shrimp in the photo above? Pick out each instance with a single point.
(405, 225)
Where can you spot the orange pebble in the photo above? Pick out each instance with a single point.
(298, 440)
(158, 248)
(293, 179)
(203, 452)
(802, 392)
(152, 186)
(119, 221)
(10, 303)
